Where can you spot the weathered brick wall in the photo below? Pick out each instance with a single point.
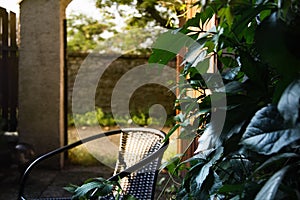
(142, 98)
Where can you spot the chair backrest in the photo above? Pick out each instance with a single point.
(140, 154)
(135, 145)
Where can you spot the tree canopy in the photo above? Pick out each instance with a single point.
(130, 23)
(84, 32)
(140, 13)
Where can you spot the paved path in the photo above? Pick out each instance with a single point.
(50, 183)
(46, 183)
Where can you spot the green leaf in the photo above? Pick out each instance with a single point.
(168, 45)
(195, 54)
(171, 131)
(289, 103)
(161, 56)
(203, 155)
(234, 87)
(199, 17)
(267, 134)
(231, 188)
(99, 186)
(232, 73)
(97, 179)
(71, 188)
(269, 190)
(225, 13)
(247, 16)
(276, 160)
(172, 165)
(105, 190)
(85, 189)
(201, 177)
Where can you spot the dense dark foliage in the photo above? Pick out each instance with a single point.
(256, 153)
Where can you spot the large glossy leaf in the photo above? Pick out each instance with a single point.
(240, 108)
(99, 185)
(161, 56)
(204, 172)
(278, 159)
(70, 188)
(196, 53)
(168, 45)
(209, 139)
(269, 190)
(84, 189)
(105, 190)
(267, 133)
(289, 103)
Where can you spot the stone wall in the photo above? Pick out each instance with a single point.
(115, 68)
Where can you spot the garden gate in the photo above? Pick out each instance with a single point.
(8, 71)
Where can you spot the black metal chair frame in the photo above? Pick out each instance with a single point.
(151, 160)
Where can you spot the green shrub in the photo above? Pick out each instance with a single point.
(98, 117)
(256, 154)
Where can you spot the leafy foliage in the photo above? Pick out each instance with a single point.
(98, 117)
(142, 13)
(125, 25)
(256, 154)
(96, 187)
(84, 33)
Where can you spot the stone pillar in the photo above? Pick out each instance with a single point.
(41, 84)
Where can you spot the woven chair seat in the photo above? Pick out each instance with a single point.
(140, 154)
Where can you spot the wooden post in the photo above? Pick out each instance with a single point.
(184, 144)
(187, 146)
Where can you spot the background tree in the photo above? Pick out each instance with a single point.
(140, 13)
(84, 33)
(125, 25)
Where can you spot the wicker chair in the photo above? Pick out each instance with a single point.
(140, 154)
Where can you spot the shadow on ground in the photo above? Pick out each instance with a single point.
(49, 183)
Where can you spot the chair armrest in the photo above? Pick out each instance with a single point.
(50, 154)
